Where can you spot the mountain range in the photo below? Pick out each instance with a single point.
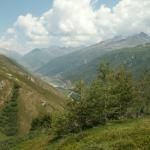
(39, 57)
(74, 66)
(58, 64)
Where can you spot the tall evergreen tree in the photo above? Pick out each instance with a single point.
(144, 90)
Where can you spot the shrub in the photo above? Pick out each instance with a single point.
(43, 122)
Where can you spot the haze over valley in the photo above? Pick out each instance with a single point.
(75, 74)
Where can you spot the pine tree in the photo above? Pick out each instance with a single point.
(144, 90)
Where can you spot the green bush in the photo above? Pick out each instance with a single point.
(43, 122)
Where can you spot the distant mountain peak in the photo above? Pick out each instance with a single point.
(142, 34)
(118, 38)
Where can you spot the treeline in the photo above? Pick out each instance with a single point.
(8, 115)
(113, 95)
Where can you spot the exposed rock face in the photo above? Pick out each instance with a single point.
(2, 84)
(31, 79)
(1, 102)
(44, 103)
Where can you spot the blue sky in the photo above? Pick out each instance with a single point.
(108, 3)
(11, 9)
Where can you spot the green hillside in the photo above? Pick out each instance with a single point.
(34, 97)
(127, 135)
(112, 113)
(83, 63)
(134, 59)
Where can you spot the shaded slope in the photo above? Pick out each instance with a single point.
(135, 59)
(40, 56)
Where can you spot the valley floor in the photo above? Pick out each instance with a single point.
(127, 135)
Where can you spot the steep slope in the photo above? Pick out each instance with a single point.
(35, 97)
(68, 65)
(39, 57)
(135, 59)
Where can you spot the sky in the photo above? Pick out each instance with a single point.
(11, 9)
(28, 24)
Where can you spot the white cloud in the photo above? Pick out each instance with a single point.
(74, 23)
(26, 33)
(133, 16)
(70, 22)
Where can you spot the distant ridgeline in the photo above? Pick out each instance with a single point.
(132, 52)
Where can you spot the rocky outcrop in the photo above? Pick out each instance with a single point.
(2, 84)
